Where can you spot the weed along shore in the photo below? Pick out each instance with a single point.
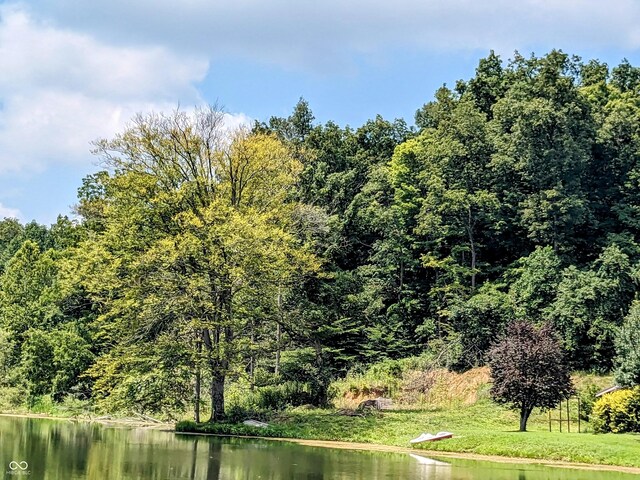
(482, 431)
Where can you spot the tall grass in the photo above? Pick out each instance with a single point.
(416, 382)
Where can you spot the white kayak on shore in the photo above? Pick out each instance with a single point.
(428, 437)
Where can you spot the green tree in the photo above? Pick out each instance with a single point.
(37, 366)
(627, 343)
(590, 306)
(29, 290)
(211, 215)
(480, 320)
(534, 281)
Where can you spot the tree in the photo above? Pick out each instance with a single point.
(535, 281)
(590, 305)
(628, 349)
(37, 363)
(528, 369)
(197, 223)
(542, 132)
(29, 290)
(479, 320)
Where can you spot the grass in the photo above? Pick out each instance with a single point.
(481, 428)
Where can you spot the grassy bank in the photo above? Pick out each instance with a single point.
(481, 428)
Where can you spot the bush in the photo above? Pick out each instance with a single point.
(617, 412)
(279, 397)
(238, 413)
(587, 400)
(231, 429)
(42, 404)
(11, 397)
(243, 403)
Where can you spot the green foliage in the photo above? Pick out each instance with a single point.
(143, 379)
(8, 356)
(535, 281)
(617, 412)
(230, 429)
(627, 344)
(591, 305)
(29, 290)
(37, 365)
(283, 257)
(481, 320)
(72, 356)
(587, 400)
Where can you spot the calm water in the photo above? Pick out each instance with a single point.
(59, 450)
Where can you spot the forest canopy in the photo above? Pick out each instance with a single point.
(288, 252)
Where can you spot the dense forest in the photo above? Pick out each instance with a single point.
(287, 253)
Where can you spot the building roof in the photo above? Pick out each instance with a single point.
(608, 390)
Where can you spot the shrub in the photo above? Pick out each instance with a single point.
(231, 429)
(288, 394)
(617, 412)
(587, 400)
(11, 397)
(238, 413)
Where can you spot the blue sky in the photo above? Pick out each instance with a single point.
(75, 71)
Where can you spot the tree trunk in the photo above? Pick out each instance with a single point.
(474, 254)
(524, 417)
(278, 337)
(198, 385)
(218, 368)
(252, 359)
(322, 393)
(217, 397)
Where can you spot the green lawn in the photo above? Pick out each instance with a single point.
(482, 428)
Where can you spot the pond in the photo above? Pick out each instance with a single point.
(54, 449)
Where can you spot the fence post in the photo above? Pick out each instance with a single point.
(579, 415)
(560, 421)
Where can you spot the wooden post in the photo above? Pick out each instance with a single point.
(549, 411)
(560, 421)
(568, 418)
(579, 415)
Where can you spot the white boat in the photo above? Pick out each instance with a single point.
(428, 437)
(256, 423)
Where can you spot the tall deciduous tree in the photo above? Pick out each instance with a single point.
(199, 218)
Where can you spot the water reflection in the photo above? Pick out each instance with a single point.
(69, 451)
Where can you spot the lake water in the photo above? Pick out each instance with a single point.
(64, 450)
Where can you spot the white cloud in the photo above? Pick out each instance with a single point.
(60, 90)
(74, 71)
(323, 35)
(6, 212)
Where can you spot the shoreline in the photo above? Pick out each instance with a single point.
(436, 454)
(123, 421)
(359, 446)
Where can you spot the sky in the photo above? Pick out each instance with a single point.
(72, 72)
